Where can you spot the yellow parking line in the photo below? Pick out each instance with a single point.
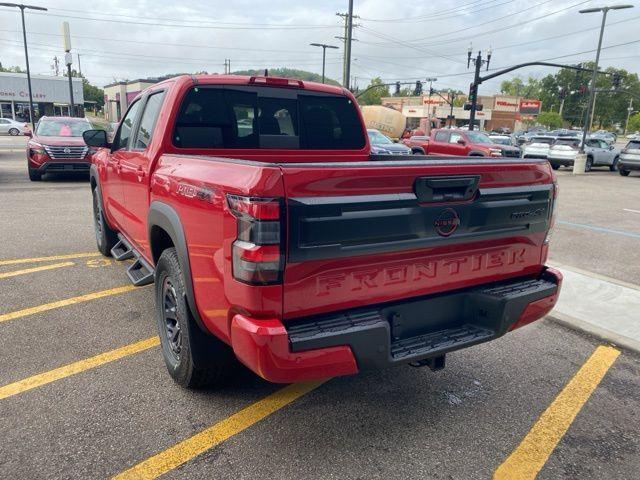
(528, 459)
(76, 367)
(66, 302)
(15, 273)
(190, 448)
(17, 261)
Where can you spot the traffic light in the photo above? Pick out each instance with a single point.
(418, 90)
(397, 88)
(616, 80)
(431, 91)
(467, 106)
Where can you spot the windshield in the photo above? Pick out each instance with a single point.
(377, 138)
(500, 140)
(633, 145)
(574, 142)
(477, 137)
(546, 140)
(61, 128)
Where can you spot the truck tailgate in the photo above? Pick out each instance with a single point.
(371, 232)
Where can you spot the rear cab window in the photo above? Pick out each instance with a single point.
(238, 117)
(441, 136)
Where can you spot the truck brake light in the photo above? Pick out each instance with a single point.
(552, 216)
(257, 253)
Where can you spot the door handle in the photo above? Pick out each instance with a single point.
(140, 174)
(118, 167)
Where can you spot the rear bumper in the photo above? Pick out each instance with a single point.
(379, 336)
(629, 163)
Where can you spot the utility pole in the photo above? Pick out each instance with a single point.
(473, 89)
(629, 111)
(324, 47)
(430, 80)
(26, 53)
(347, 40)
(68, 59)
(56, 66)
(592, 87)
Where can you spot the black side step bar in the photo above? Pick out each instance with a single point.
(122, 251)
(139, 272)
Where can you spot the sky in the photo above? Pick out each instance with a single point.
(397, 41)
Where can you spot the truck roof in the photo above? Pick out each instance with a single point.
(257, 80)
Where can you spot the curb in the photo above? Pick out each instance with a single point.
(603, 333)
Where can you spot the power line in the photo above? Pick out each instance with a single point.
(441, 15)
(189, 25)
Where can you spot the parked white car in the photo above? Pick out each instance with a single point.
(11, 127)
(564, 151)
(538, 147)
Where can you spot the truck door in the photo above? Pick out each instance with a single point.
(455, 148)
(135, 173)
(439, 145)
(112, 189)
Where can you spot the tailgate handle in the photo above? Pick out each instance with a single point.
(446, 189)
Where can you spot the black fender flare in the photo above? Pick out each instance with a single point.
(476, 153)
(165, 217)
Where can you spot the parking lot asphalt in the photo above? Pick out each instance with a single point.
(84, 392)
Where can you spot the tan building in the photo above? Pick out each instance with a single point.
(118, 96)
(499, 111)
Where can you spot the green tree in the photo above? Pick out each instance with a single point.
(516, 86)
(634, 123)
(375, 94)
(90, 92)
(14, 69)
(550, 119)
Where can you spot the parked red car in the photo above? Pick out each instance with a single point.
(273, 237)
(57, 146)
(460, 143)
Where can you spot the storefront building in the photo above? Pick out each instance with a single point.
(50, 96)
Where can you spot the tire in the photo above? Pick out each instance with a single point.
(555, 166)
(614, 166)
(588, 164)
(194, 359)
(106, 238)
(14, 132)
(624, 173)
(34, 175)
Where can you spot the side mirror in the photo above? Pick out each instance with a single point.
(95, 138)
(611, 147)
(461, 141)
(28, 133)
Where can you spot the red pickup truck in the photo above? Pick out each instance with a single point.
(444, 141)
(275, 238)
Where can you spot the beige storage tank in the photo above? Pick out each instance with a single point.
(387, 120)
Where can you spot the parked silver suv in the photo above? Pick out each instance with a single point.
(564, 151)
(629, 158)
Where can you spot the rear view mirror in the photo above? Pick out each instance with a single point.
(95, 138)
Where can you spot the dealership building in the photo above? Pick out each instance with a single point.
(50, 96)
(498, 111)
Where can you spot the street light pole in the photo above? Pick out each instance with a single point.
(26, 52)
(324, 54)
(589, 111)
(473, 89)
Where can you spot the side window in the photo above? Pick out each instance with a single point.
(454, 138)
(148, 120)
(126, 126)
(593, 143)
(441, 136)
(604, 144)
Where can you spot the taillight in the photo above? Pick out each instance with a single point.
(257, 252)
(552, 215)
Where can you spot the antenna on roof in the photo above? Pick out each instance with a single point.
(266, 72)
